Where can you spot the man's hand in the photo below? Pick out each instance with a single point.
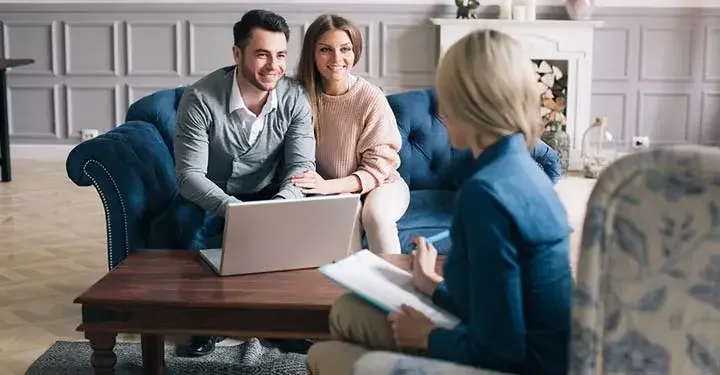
(312, 183)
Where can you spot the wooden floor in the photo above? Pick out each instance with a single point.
(53, 246)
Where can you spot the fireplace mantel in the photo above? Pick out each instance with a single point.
(547, 40)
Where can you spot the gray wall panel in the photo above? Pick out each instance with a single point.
(656, 71)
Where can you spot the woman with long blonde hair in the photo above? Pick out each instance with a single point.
(357, 137)
(508, 275)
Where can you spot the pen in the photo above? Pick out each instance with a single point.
(435, 238)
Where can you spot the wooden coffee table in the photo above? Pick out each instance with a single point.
(159, 292)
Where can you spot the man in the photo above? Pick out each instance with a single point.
(243, 131)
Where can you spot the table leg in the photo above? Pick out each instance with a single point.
(153, 354)
(5, 174)
(103, 358)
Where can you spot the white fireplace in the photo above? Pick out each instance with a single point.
(553, 40)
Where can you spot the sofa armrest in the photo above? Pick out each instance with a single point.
(133, 172)
(548, 159)
(387, 363)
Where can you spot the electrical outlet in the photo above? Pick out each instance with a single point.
(86, 134)
(641, 142)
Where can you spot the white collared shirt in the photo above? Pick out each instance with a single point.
(247, 117)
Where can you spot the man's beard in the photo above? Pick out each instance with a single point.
(250, 77)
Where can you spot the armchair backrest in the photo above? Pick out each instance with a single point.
(159, 109)
(647, 296)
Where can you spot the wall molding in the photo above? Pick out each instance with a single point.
(141, 48)
(433, 9)
(211, 7)
(112, 44)
(659, 3)
(52, 40)
(598, 3)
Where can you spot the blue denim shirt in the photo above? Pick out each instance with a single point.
(544, 156)
(508, 275)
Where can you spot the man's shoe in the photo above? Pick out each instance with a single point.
(201, 345)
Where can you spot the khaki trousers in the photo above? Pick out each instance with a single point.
(356, 327)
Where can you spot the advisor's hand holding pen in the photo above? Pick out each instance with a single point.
(425, 279)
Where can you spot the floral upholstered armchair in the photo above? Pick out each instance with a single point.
(647, 298)
(647, 293)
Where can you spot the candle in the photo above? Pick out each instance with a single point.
(531, 10)
(519, 13)
(505, 10)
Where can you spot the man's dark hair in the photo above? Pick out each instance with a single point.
(258, 18)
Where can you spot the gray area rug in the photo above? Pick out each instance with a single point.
(252, 357)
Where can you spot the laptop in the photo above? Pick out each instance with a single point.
(280, 235)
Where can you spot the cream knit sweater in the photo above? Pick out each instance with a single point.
(358, 135)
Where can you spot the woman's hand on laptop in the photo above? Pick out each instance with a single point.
(312, 183)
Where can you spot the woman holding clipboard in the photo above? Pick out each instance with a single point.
(508, 275)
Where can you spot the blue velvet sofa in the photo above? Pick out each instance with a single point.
(132, 168)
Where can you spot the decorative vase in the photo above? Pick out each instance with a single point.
(505, 10)
(579, 10)
(558, 139)
(467, 9)
(599, 148)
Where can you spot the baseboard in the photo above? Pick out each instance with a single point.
(40, 152)
(575, 164)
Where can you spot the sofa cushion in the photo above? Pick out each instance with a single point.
(428, 160)
(429, 213)
(426, 154)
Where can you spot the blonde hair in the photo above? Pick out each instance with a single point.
(486, 81)
(307, 73)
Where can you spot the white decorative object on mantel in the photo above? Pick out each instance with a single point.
(546, 40)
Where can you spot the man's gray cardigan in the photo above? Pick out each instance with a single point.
(212, 161)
